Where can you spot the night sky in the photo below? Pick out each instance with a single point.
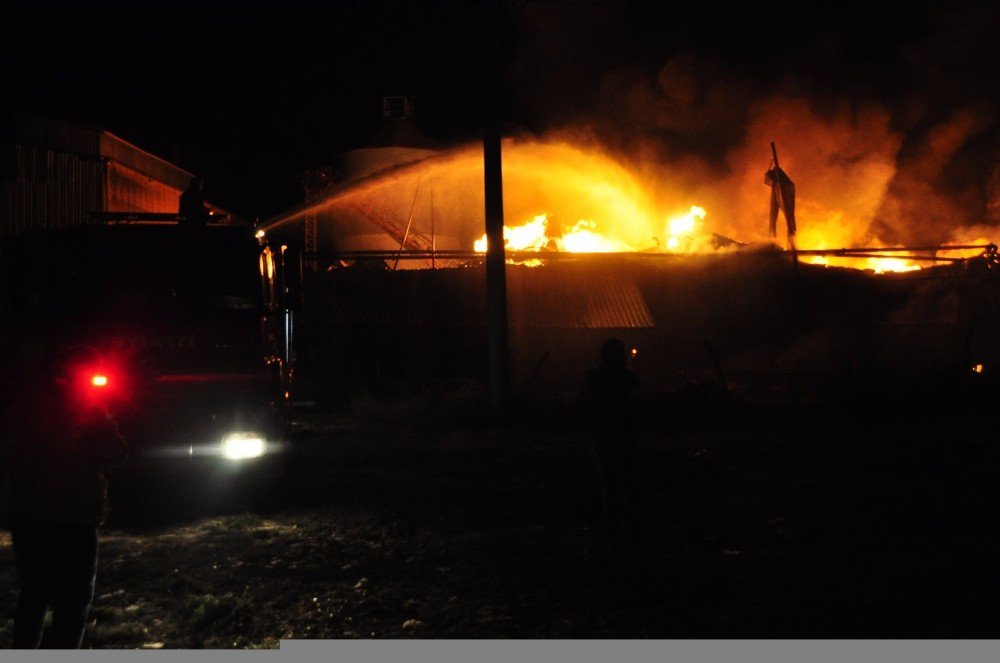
(252, 94)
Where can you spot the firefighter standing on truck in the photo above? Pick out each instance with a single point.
(191, 207)
(58, 439)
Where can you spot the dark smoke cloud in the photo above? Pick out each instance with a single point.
(691, 105)
(919, 206)
(887, 126)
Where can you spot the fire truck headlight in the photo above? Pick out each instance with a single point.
(243, 445)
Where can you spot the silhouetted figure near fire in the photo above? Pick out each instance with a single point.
(192, 204)
(609, 391)
(58, 440)
(782, 198)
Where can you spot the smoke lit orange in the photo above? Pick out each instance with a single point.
(568, 196)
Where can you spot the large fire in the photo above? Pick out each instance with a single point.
(684, 233)
(583, 237)
(569, 196)
(877, 265)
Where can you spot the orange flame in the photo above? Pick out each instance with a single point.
(533, 235)
(681, 229)
(583, 236)
(569, 196)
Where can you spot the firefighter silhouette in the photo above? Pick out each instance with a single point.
(782, 199)
(193, 210)
(58, 442)
(609, 389)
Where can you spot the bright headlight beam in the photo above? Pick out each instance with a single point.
(238, 446)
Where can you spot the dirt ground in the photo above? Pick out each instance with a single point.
(760, 524)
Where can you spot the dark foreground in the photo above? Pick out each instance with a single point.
(762, 525)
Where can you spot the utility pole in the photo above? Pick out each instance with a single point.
(496, 276)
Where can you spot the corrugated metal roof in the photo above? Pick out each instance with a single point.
(113, 147)
(128, 190)
(581, 295)
(66, 171)
(85, 140)
(566, 296)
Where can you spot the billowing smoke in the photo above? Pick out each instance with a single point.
(841, 159)
(629, 148)
(910, 156)
(918, 208)
(860, 177)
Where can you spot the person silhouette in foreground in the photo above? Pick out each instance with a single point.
(58, 441)
(193, 210)
(609, 389)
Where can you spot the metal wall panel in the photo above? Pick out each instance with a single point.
(131, 191)
(52, 190)
(57, 173)
(154, 168)
(57, 136)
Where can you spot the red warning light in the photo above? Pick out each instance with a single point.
(103, 383)
(90, 378)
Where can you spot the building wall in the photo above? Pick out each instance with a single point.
(48, 188)
(56, 174)
(757, 314)
(130, 191)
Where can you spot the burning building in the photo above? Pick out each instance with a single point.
(596, 250)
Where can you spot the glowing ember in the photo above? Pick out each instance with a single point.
(883, 265)
(878, 265)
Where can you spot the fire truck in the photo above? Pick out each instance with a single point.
(193, 326)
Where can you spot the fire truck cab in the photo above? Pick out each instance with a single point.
(193, 324)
